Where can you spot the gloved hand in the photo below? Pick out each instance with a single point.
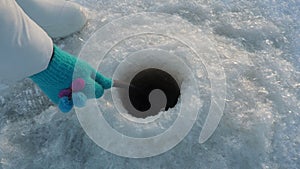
(56, 81)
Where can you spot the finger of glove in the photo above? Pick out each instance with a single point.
(92, 89)
(105, 82)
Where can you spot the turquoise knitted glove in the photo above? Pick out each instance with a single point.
(56, 80)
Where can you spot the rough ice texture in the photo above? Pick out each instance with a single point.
(259, 46)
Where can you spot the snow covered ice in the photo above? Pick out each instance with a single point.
(258, 43)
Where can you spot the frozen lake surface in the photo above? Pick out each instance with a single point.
(258, 43)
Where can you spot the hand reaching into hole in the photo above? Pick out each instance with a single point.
(56, 81)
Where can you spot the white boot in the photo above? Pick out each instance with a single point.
(59, 18)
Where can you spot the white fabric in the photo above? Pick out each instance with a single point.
(25, 49)
(59, 18)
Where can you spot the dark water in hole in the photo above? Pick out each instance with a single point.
(146, 81)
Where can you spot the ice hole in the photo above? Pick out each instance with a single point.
(152, 90)
(154, 79)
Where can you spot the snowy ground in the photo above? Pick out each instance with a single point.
(259, 46)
